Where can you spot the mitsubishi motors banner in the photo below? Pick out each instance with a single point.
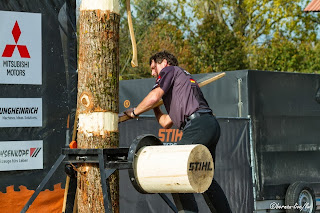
(20, 48)
(20, 112)
(21, 155)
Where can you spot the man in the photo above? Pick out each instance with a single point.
(188, 110)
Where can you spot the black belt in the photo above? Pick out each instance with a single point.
(193, 116)
(196, 115)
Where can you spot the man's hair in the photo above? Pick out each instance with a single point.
(160, 56)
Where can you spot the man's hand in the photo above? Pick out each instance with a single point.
(163, 119)
(130, 112)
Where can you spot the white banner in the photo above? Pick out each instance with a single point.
(20, 112)
(21, 155)
(20, 48)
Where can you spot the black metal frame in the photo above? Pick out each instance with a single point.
(109, 161)
(139, 142)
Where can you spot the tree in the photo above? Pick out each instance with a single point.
(282, 54)
(98, 98)
(155, 26)
(220, 35)
(164, 36)
(256, 18)
(259, 23)
(144, 15)
(217, 48)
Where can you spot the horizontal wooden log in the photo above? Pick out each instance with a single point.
(174, 169)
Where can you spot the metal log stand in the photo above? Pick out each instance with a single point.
(109, 160)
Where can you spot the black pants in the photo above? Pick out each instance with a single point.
(203, 130)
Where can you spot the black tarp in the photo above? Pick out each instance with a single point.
(285, 116)
(232, 168)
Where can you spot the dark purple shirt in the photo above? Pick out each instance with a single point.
(182, 95)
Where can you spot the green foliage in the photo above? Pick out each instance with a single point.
(221, 35)
(165, 36)
(217, 48)
(144, 15)
(275, 33)
(282, 54)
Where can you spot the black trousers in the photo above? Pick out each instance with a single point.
(203, 130)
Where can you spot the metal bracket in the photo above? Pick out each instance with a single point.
(109, 161)
(138, 143)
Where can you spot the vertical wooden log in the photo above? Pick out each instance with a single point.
(98, 96)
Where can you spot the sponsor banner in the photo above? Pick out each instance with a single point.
(21, 155)
(20, 48)
(20, 112)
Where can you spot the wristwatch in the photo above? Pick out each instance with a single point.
(134, 113)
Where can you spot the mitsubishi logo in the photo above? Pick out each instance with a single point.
(9, 49)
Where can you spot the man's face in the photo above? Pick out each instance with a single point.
(156, 67)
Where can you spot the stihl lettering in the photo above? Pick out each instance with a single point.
(9, 49)
(200, 166)
(170, 135)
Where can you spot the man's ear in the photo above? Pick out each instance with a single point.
(165, 62)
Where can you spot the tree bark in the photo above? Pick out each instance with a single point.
(98, 97)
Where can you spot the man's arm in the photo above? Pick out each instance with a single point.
(163, 119)
(147, 103)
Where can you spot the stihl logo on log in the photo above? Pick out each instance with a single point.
(200, 166)
(9, 49)
(34, 152)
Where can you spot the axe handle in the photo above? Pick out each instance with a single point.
(134, 61)
(212, 79)
(124, 117)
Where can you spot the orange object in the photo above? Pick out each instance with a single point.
(73, 145)
(47, 201)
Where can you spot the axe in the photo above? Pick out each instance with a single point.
(123, 117)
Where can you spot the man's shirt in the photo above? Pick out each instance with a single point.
(182, 95)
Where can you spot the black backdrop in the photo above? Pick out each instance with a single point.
(58, 89)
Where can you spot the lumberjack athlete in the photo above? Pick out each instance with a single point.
(188, 110)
